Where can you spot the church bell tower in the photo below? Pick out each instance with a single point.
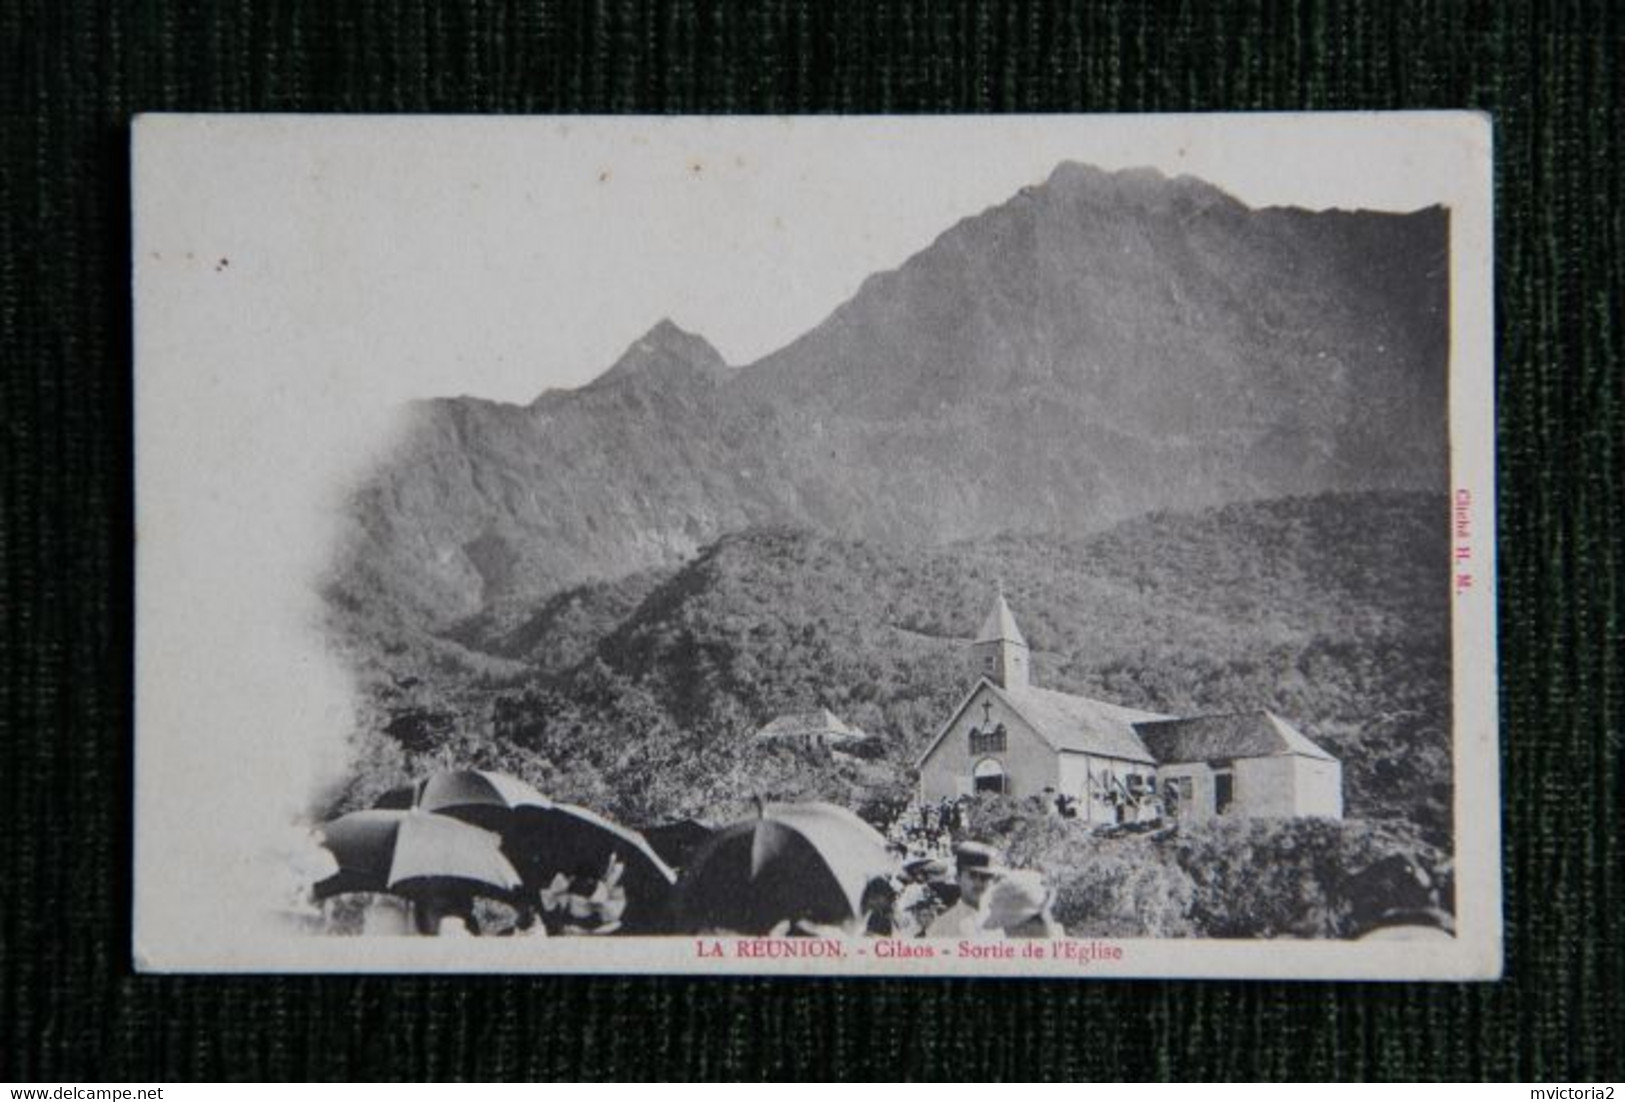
(1000, 653)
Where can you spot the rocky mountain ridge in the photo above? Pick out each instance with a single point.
(1098, 347)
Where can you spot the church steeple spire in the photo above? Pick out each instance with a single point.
(1000, 651)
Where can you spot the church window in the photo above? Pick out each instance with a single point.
(989, 776)
(984, 740)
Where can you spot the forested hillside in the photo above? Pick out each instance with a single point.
(639, 695)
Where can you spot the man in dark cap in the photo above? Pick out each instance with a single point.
(978, 866)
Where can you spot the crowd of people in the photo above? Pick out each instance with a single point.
(976, 896)
(970, 894)
(928, 830)
(951, 888)
(580, 903)
(933, 887)
(927, 875)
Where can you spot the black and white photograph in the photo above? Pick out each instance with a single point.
(1003, 546)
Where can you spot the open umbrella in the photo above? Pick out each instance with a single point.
(545, 842)
(544, 839)
(678, 842)
(409, 852)
(798, 862)
(478, 796)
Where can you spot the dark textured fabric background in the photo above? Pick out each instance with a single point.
(71, 75)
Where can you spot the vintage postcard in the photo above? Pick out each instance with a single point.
(1050, 546)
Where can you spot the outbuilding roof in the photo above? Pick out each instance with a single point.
(822, 722)
(1208, 738)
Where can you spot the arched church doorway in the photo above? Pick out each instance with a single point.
(989, 776)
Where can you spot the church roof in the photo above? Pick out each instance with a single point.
(807, 724)
(1207, 738)
(1080, 724)
(1000, 625)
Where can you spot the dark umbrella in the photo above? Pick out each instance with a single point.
(543, 842)
(543, 838)
(478, 796)
(411, 852)
(797, 862)
(678, 842)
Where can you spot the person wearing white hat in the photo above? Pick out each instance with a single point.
(1018, 905)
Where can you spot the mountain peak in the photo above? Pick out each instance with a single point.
(666, 348)
(1143, 185)
(666, 330)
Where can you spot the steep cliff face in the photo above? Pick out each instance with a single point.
(1101, 346)
(482, 499)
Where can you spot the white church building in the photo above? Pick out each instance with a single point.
(1107, 763)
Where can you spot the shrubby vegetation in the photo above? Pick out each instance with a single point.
(1224, 878)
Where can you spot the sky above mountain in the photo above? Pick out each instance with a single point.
(498, 261)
